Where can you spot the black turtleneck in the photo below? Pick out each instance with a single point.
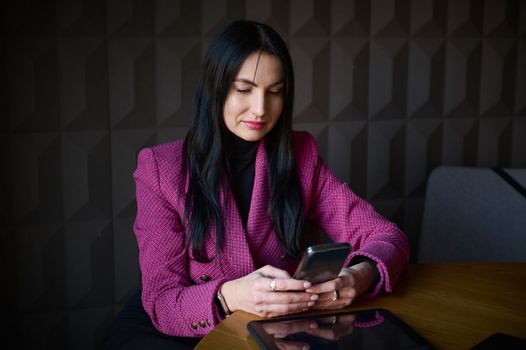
(241, 167)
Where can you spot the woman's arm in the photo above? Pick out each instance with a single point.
(345, 217)
(175, 304)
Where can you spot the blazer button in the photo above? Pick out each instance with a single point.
(194, 325)
(208, 322)
(205, 278)
(202, 324)
(283, 258)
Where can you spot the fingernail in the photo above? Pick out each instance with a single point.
(305, 347)
(311, 303)
(308, 290)
(313, 325)
(307, 284)
(314, 297)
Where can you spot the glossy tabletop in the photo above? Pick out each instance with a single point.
(452, 305)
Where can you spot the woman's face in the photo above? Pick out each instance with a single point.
(255, 100)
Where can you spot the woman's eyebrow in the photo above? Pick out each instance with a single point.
(250, 82)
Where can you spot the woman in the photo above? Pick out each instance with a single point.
(220, 214)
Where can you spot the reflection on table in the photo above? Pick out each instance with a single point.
(452, 305)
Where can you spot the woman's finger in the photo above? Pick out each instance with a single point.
(344, 293)
(273, 272)
(288, 297)
(327, 301)
(273, 310)
(328, 286)
(281, 284)
(348, 293)
(328, 306)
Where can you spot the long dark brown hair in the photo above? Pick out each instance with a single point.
(204, 142)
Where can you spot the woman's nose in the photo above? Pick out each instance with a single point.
(258, 104)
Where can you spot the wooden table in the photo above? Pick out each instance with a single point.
(452, 305)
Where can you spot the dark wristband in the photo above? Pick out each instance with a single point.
(219, 307)
(222, 303)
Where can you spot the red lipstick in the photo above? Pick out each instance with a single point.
(254, 125)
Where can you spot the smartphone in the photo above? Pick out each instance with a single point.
(501, 341)
(322, 262)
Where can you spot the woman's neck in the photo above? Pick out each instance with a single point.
(236, 147)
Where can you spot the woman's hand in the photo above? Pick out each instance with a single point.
(328, 328)
(352, 282)
(253, 293)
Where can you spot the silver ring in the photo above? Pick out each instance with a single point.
(272, 285)
(335, 295)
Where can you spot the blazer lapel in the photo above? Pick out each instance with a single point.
(259, 225)
(237, 250)
(243, 245)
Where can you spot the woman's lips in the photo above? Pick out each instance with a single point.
(254, 125)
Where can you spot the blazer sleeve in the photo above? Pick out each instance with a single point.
(175, 305)
(346, 217)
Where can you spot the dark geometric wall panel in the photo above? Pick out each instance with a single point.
(391, 89)
(132, 82)
(83, 72)
(177, 68)
(311, 57)
(33, 80)
(89, 264)
(520, 80)
(348, 79)
(45, 330)
(93, 321)
(39, 256)
(35, 171)
(125, 261)
(125, 145)
(389, 79)
(86, 175)
(426, 68)
(515, 153)
(462, 78)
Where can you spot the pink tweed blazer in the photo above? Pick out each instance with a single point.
(178, 292)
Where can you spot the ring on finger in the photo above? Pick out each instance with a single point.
(272, 285)
(335, 295)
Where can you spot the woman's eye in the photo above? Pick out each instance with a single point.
(275, 92)
(243, 91)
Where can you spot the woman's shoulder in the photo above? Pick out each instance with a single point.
(305, 152)
(170, 153)
(171, 147)
(303, 142)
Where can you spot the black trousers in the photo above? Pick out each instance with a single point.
(133, 329)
